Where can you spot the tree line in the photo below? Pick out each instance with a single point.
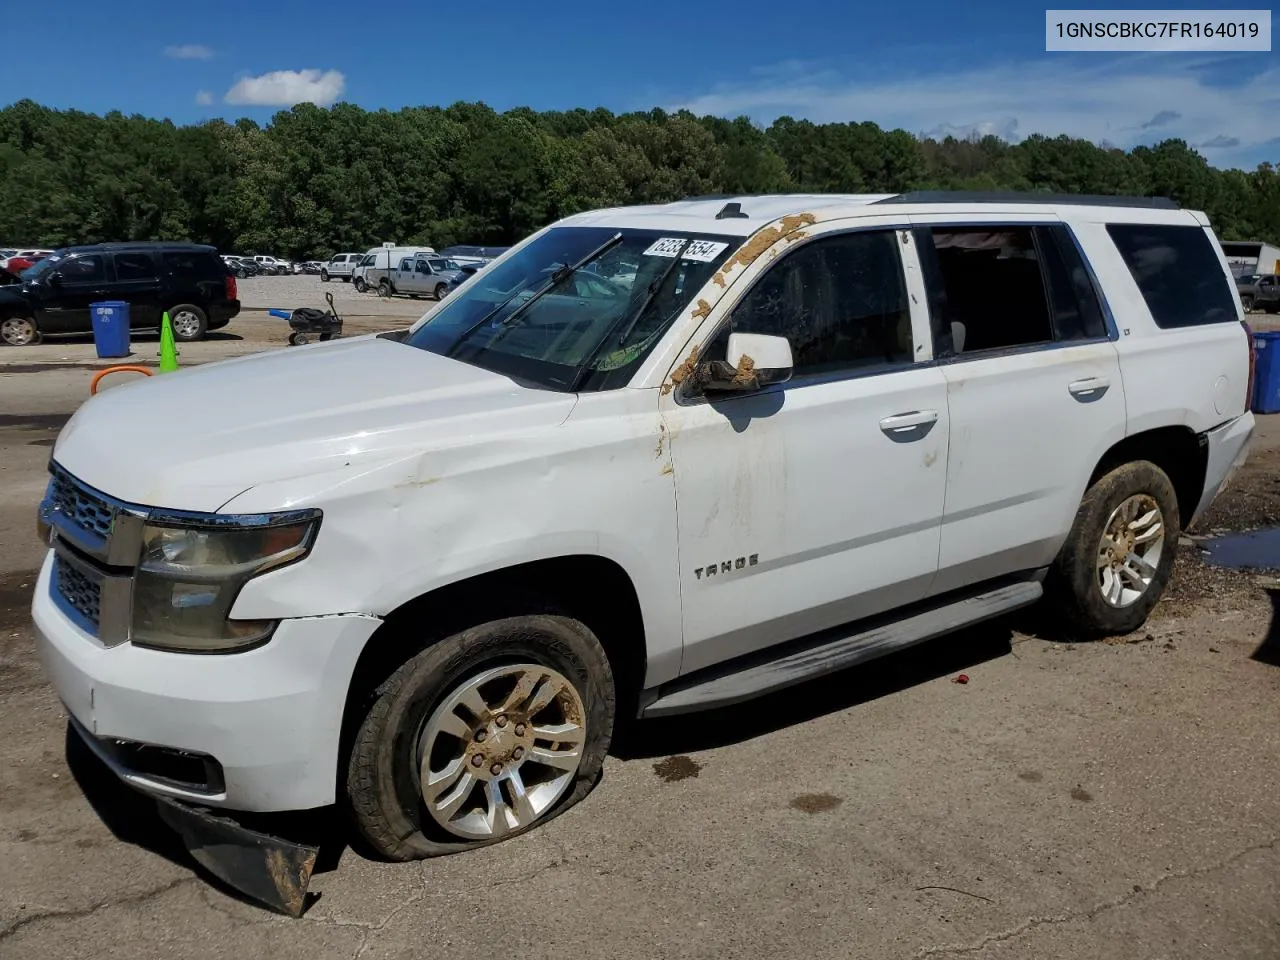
(315, 181)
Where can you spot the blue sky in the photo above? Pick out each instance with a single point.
(928, 66)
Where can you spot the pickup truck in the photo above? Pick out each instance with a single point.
(423, 275)
(423, 574)
(1259, 292)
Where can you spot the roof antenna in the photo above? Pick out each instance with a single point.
(731, 211)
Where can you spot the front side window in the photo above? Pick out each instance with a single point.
(532, 319)
(86, 269)
(1178, 272)
(841, 301)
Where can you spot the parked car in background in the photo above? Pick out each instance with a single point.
(340, 266)
(1259, 292)
(189, 281)
(423, 275)
(471, 254)
(373, 272)
(19, 259)
(465, 272)
(272, 266)
(7, 278)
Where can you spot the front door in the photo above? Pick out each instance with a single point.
(77, 282)
(818, 501)
(1033, 388)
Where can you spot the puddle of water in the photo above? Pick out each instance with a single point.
(1255, 550)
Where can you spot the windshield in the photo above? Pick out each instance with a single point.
(596, 325)
(41, 267)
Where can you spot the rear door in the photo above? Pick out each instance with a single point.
(1033, 389)
(138, 283)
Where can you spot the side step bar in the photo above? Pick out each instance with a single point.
(729, 686)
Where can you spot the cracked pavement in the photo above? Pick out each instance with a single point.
(1109, 800)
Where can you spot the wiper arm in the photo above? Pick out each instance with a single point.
(561, 274)
(654, 289)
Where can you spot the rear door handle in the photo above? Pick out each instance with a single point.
(1086, 391)
(903, 427)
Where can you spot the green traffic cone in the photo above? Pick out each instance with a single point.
(168, 350)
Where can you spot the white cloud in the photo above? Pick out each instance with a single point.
(204, 98)
(1118, 103)
(188, 51)
(284, 88)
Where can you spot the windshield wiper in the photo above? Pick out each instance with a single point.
(561, 274)
(654, 289)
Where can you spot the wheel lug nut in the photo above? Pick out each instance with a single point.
(496, 769)
(517, 753)
(502, 720)
(477, 760)
(480, 736)
(519, 729)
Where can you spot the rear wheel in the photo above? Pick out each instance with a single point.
(324, 276)
(1119, 556)
(481, 737)
(19, 332)
(188, 322)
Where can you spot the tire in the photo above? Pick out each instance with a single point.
(1247, 303)
(297, 339)
(324, 276)
(441, 290)
(19, 332)
(189, 323)
(360, 285)
(1078, 582)
(409, 712)
(385, 289)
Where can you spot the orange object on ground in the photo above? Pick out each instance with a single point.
(122, 368)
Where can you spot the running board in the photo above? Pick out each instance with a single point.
(726, 688)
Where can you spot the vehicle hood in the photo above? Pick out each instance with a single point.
(196, 438)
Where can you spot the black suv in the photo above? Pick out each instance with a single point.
(186, 279)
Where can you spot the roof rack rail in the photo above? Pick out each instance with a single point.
(1019, 196)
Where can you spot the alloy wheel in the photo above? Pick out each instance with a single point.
(1129, 550)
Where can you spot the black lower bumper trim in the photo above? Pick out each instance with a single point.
(271, 870)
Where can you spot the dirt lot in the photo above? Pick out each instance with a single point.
(1072, 800)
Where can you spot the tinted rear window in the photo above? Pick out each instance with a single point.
(1178, 272)
(201, 266)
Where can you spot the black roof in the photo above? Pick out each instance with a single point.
(141, 245)
(1020, 196)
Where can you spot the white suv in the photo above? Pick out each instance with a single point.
(809, 430)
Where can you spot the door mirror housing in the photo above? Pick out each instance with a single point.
(752, 361)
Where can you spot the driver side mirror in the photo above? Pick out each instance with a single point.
(752, 361)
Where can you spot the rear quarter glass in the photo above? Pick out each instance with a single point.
(1178, 272)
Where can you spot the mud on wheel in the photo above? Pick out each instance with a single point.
(1118, 558)
(482, 736)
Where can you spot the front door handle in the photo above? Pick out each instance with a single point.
(904, 427)
(1086, 391)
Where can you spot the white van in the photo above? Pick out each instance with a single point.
(374, 269)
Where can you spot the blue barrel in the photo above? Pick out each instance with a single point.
(1266, 372)
(111, 328)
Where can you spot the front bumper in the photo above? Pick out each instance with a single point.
(270, 717)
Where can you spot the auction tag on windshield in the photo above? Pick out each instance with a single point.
(703, 251)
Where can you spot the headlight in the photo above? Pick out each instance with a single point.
(190, 575)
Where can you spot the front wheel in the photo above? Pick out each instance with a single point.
(441, 290)
(384, 288)
(1247, 303)
(19, 331)
(482, 736)
(360, 285)
(1119, 556)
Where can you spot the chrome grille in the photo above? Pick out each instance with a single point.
(80, 506)
(80, 592)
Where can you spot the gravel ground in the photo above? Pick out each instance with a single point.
(300, 290)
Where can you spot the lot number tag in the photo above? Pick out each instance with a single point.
(703, 251)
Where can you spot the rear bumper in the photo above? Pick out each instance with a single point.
(220, 314)
(269, 718)
(1228, 448)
